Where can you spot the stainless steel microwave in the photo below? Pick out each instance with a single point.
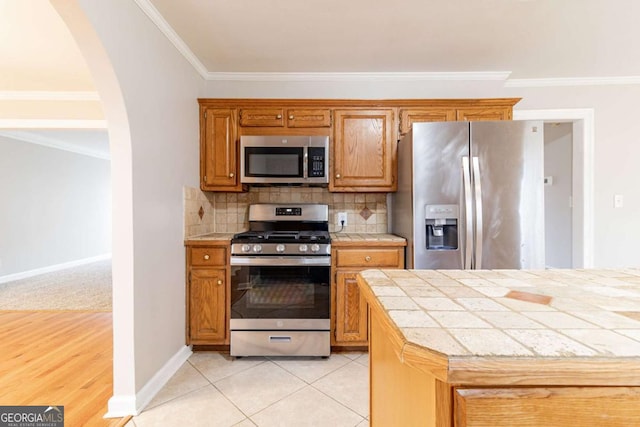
(284, 159)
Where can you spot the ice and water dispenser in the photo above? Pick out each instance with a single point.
(441, 224)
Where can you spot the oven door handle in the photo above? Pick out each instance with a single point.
(323, 261)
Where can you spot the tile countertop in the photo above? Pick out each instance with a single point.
(336, 238)
(530, 319)
(346, 239)
(211, 237)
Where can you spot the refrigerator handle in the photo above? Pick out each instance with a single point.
(468, 214)
(478, 209)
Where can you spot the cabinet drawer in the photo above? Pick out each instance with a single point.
(262, 117)
(368, 258)
(314, 118)
(208, 256)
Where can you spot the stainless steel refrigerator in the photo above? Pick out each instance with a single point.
(470, 195)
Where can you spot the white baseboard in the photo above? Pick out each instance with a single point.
(52, 268)
(124, 405)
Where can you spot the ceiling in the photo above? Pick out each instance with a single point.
(529, 38)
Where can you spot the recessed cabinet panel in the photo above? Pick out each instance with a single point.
(207, 306)
(552, 406)
(409, 117)
(352, 312)
(483, 113)
(219, 151)
(364, 151)
(264, 117)
(308, 118)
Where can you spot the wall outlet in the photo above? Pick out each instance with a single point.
(340, 217)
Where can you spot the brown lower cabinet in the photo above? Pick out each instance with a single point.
(349, 311)
(207, 294)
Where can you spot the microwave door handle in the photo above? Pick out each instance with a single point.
(305, 162)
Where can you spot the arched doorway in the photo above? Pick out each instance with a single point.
(121, 179)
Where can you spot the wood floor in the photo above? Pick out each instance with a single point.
(61, 358)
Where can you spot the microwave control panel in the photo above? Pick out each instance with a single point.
(316, 162)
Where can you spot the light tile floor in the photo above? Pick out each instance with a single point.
(213, 389)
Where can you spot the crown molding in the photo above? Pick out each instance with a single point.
(53, 143)
(364, 77)
(155, 16)
(29, 95)
(574, 81)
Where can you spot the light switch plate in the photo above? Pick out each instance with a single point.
(618, 201)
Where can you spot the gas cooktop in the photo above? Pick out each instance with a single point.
(300, 230)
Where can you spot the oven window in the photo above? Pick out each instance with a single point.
(274, 162)
(290, 292)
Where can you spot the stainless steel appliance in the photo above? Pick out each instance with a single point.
(280, 282)
(284, 159)
(470, 195)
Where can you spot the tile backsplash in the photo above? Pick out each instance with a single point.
(228, 212)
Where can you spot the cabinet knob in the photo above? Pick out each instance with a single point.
(367, 258)
(279, 116)
(219, 282)
(206, 256)
(231, 175)
(291, 117)
(337, 176)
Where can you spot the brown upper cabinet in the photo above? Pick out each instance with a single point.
(467, 110)
(219, 153)
(364, 133)
(281, 117)
(483, 113)
(364, 151)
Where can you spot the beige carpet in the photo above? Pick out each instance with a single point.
(87, 287)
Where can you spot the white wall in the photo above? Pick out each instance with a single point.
(56, 207)
(617, 134)
(149, 93)
(557, 194)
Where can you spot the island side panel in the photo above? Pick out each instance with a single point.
(401, 395)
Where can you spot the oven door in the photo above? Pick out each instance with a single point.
(280, 293)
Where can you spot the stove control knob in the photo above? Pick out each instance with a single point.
(280, 248)
(315, 247)
(257, 248)
(246, 248)
(303, 248)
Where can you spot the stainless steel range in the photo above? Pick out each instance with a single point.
(280, 282)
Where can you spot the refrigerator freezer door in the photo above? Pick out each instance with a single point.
(438, 149)
(511, 173)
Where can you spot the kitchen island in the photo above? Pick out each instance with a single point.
(504, 347)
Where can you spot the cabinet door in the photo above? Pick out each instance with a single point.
(207, 306)
(264, 117)
(314, 118)
(409, 117)
(483, 113)
(364, 151)
(351, 311)
(218, 151)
